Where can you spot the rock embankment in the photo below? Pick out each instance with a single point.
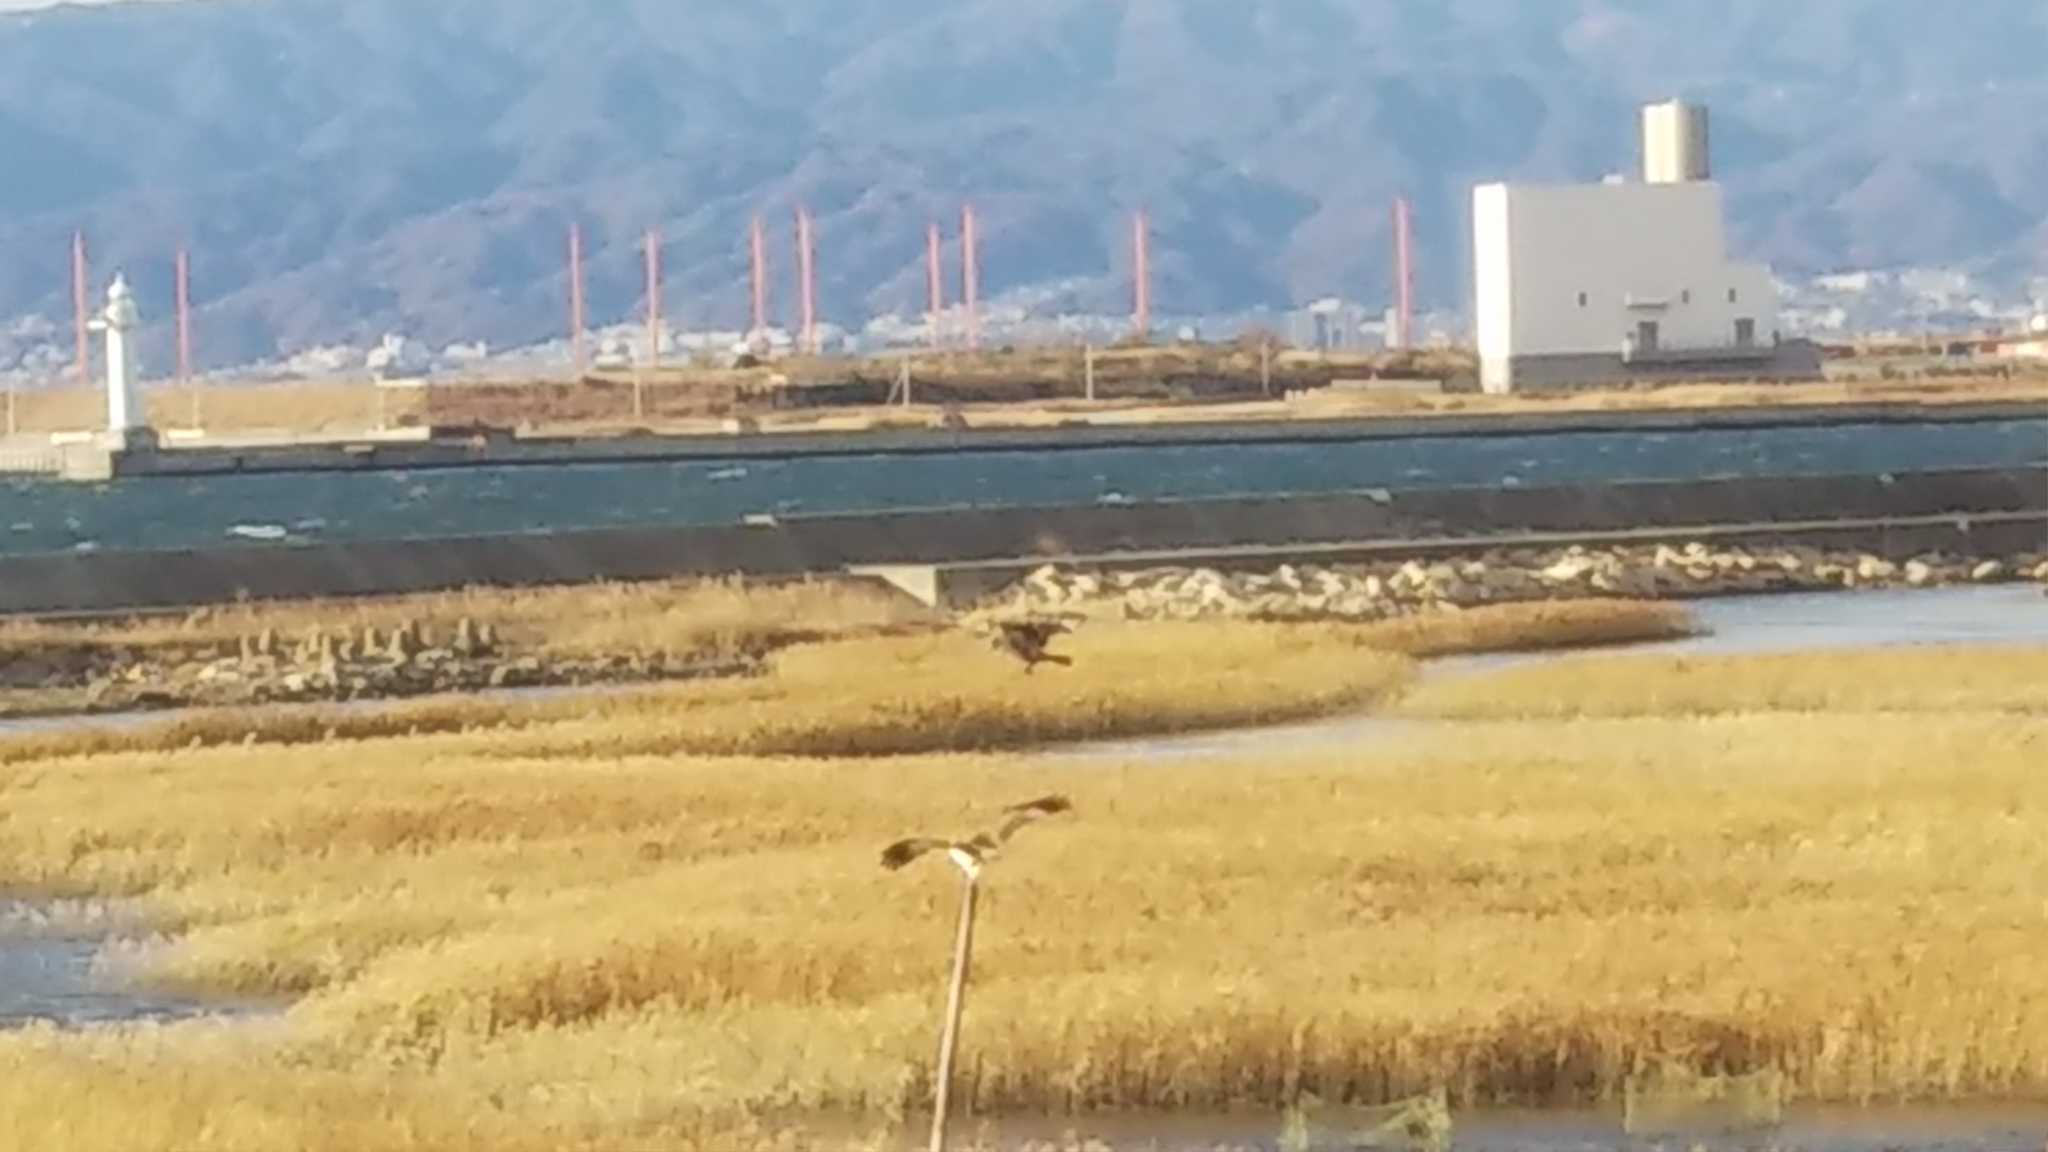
(1383, 590)
(330, 666)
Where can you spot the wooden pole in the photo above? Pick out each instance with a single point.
(1265, 366)
(1088, 371)
(12, 427)
(955, 998)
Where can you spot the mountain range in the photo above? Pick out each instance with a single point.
(343, 168)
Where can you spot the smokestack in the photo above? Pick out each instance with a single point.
(184, 290)
(970, 275)
(935, 280)
(79, 306)
(758, 243)
(1675, 143)
(1404, 275)
(1141, 275)
(808, 274)
(576, 317)
(653, 299)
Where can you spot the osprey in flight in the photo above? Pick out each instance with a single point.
(972, 853)
(1026, 640)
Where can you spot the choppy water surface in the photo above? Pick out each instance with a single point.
(273, 509)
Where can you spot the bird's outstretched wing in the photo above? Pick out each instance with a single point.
(1018, 815)
(903, 852)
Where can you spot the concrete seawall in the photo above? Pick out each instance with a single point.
(1989, 511)
(499, 448)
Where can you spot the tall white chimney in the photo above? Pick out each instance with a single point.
(1675, 143)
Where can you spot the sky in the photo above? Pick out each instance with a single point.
(25, 5)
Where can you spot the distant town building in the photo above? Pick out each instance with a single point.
(1583, 283)
(1329, 325)
(395, 357)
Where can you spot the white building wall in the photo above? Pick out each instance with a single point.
(1493, 286)
(1571, 271)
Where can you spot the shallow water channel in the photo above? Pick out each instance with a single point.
(2003, 614)
(1880, 1129)
(58, 970)
(57, 973)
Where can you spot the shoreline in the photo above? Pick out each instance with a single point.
(431, 449)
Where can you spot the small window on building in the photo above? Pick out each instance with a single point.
(1685, 297)
(1732, 295)
(1582, 299)
(1745, 332)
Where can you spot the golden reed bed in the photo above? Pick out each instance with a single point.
(639, 929)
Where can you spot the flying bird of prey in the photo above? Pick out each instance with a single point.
(970, 854)
(1027, 640)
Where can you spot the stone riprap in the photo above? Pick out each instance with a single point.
(334, 666)
(1385, 590)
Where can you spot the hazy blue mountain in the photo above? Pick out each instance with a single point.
(341, 167)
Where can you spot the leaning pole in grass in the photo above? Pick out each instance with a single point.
(970, 856)
(956, 996)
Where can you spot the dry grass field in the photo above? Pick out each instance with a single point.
(661, 924)
(1029, 387)
(305, 408)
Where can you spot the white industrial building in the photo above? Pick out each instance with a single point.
(1582, 284)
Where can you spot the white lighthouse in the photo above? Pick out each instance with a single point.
(119, 321)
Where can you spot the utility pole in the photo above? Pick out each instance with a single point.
(80, 290)
(807, 274)
(577, 355)
(1266, 365)
(970, 274)
(184, 293)
(1141, 276)
(1088, 371)
(935, 283)
(653, 325)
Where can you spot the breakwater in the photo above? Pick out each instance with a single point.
(1984, 513)
(497, 447)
